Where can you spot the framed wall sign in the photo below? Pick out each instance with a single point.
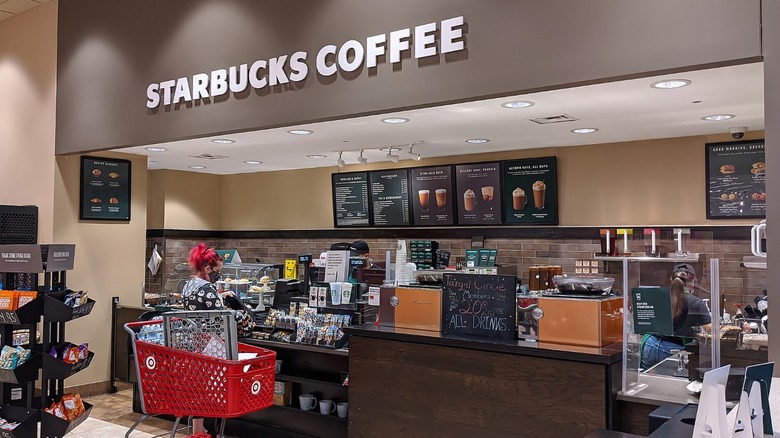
(530, 191)
(478, 191)
(432, 196)
(351, 200)
(390, 197)
(736, 180)
(105, 189)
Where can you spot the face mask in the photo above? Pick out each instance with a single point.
(214, 276)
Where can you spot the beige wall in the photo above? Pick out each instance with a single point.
(191, 200)
(109, 259)
(155, 200)
(28, 61)
(109, 256)
(653, 182)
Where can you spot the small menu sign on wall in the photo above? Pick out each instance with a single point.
(390, 197)
(350, 199)
(482, 305)
(478, 190)
(530, 191)
(736, 180)
(652, 310)
(105, 189)
(432, 195)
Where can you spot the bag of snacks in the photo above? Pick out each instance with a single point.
(55, 409)
(8, 358)
(72, 406)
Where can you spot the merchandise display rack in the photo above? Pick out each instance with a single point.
(19, 402)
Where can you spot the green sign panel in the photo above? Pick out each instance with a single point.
(652, 310)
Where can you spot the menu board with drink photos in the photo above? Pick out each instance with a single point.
(530, 191)
(390, 197)
(432, 195)
(350, 199)
(736, 180)
(478, 191)
(513, 192)
(105, 189)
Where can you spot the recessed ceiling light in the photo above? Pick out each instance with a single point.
(317, 156)
(584, 130)
(196, 167)
(395, 120)
(300, 131)
(717, 117)
(670, 84)
(477, 140)
(223, 141)
(155, 149)
(253, 162)
(517, 104)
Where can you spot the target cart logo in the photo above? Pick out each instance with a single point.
(151, 362)
(256, 387)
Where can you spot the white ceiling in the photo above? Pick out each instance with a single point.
(622, 111)
(9, 8)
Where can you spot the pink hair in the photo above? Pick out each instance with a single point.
(202, 256)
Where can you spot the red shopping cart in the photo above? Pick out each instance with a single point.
(184, 382)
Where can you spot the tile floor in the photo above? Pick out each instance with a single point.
(112, 415)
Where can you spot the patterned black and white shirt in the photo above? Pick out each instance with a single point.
(199, 294)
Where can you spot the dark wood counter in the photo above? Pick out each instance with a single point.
(417, 383)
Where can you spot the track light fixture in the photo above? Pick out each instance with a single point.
(390, 155)
(362, 159)
(341, 162)
(415, 157)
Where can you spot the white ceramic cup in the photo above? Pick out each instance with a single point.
(342, 409)
(327, 407)
(308, 402)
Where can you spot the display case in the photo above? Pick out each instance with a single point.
(738, 341)
(238, 277)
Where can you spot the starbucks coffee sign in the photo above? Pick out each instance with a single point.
(425, 40)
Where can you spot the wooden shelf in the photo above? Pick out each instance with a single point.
(297, 379)
(316, 412)
(292, 346)
(689, 259)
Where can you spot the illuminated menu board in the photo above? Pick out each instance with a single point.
(350, 199)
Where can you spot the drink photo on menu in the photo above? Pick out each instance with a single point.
(478, 186)
(431, 188)
(531, 184)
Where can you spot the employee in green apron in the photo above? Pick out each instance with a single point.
(688, 312)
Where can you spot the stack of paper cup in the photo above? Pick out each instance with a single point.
(400, 260)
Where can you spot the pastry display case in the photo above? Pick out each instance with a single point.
(250, 281)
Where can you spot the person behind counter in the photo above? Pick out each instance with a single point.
(688, 312)
(200, 293)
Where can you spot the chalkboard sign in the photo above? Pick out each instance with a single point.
(482, 305)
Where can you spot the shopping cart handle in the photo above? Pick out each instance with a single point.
(135, 327)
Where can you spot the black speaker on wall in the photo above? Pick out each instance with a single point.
(18, 226)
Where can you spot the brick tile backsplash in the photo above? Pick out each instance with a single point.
(738, 284)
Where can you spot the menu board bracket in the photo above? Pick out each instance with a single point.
(104, 189)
